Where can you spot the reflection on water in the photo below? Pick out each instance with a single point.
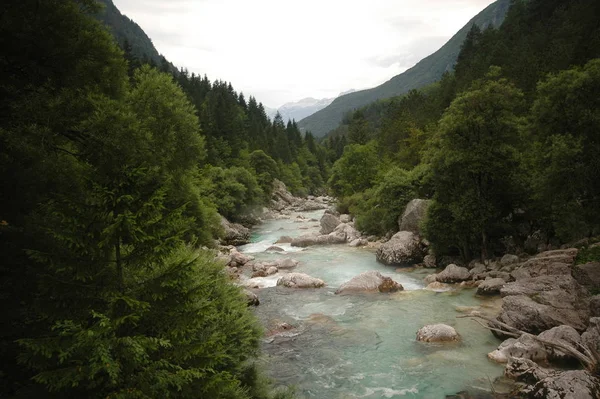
(363, 346)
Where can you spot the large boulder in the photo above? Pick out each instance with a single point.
(371, 281)
(437, 333)
(556, 262)
(402, 249)
(347, 230)
(328, 223)
(491, 286)
(552, 384)
(574, 384)
(286, 263)
(413, 216)
(235, 234)
(281, 195)
(563, 334)
(588, 275)
(300, 280)
(524, 347)
(540, 303)
(453, 274)
(305, 240)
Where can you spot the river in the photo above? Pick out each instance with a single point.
(363, 346)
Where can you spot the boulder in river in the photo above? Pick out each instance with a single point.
(274, 248)
(537, 304)
(328, 223)
(403, 248)
(286, 263)
(491, 286)
(235, 234)
(284, 240)
(523, 347)
(454, 274)
(413, 215)
(437, 333)
(371, 281)
(300, 280)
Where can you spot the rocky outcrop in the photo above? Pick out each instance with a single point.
(588, 275)
(402, 249)
(413, 215)
(537, 304)
(300, 280)
(437, 333)
(546, 263)
(551, 384)
(575, 384)
(235, 234)
(371, 281)
(328, 223)
(491, 286)
(453, 274)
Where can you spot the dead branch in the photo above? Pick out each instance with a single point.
(589, 358)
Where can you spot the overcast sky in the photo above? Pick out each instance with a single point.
(285, 50)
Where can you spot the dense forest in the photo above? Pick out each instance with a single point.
(116, 170)
(506, 145)
(114, 175)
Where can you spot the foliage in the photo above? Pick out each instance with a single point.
(103, 209)
(475, 164)
(355, 171)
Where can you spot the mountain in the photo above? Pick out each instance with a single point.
(427, 71)
(125, 30)
(304, 108)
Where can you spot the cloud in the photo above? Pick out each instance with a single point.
(284, 50)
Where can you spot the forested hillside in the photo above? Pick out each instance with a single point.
(113, 181)
(425, 72)
(506, 146)
(128, 34)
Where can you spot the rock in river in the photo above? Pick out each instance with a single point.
(403, 248)
(537, 304)
(437, 333)
(300, 280)
(371, 281)
(453, 274)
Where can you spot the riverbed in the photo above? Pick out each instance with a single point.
(364, 346)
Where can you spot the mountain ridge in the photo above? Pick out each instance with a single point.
(427, 71)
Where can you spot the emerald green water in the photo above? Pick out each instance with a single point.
(363, 346)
